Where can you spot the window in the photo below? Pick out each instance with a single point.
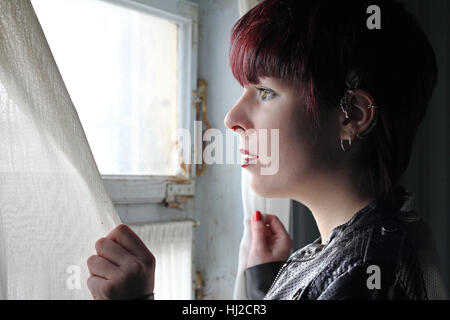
(130, 70)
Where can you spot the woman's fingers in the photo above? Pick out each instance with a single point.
(101, 267)
(258, 229)
(129, 240)
(279, 240)
(95, 285)
(123, 267)
(275, 225)
(268, 244)
(113, 252)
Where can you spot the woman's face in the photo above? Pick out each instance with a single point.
(296, 156)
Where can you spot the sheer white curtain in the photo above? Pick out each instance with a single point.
(53, 206)
(252, 202)
(171, 244)
(246, 5)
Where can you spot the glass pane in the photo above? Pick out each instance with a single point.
(120, 67)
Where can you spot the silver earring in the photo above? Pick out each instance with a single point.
(349, 145)
(344, 103)
(345, 107)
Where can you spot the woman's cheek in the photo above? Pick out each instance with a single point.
(270, 185)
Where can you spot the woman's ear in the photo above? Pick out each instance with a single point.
(360, 115)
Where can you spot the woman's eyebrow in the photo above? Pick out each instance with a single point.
(263, 87)
(269, 83)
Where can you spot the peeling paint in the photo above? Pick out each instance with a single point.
(218, 202)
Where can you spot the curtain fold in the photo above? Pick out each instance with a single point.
(171, 244)
(252, 202)
(53, 206)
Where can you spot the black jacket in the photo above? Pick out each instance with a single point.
(385, 251)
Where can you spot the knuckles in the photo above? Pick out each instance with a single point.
(91, 260)
(134, 268)
(100, 244)
(127, 278)
(149, 260)
(120, 229)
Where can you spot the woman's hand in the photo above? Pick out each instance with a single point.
(270, 240)
(123, 267)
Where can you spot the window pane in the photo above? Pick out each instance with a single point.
(120, 67)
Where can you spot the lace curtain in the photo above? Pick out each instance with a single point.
(53, 206)
(171, 244)
(246, 5)
(252, 202)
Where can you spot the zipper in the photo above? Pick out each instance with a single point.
(278, 274)
(297, 294)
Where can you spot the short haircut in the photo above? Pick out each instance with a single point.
(316, 43)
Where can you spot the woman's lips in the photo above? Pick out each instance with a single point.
(243, 151)
(247, 159)
(246, 163)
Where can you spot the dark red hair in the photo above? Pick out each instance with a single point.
(316, 43)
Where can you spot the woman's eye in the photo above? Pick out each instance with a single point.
(266, 94)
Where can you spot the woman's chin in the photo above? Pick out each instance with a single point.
(266, 188)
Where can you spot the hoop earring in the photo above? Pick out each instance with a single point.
(345, 106)
(349, 145)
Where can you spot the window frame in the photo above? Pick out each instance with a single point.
(152, 189)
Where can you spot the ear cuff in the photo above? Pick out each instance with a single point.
(344, 104)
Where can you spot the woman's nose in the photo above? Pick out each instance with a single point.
(236, 119)
(231, 124)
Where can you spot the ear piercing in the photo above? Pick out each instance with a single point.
(345, 107)
(349, 143)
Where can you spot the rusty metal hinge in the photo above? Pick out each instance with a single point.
(177, 194)
(201, 108)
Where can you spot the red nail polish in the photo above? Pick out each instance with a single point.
(257, 216)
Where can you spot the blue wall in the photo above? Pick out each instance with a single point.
(218, 204)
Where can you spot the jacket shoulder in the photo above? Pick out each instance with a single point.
(382, 261)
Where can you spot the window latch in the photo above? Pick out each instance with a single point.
(177, 194)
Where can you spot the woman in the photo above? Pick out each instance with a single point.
(347, 99)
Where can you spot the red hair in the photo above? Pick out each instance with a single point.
(315, 44)
(270, 42)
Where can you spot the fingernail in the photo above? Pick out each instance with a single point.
(257, 216)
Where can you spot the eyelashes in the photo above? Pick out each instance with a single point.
(266, 93)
